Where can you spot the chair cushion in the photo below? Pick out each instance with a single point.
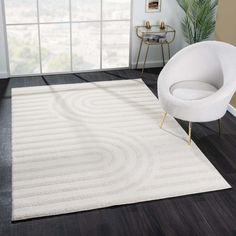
(192, 90)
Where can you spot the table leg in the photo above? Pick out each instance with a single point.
(145, 59)
(168, 50)
(163, 56)
(140, 48)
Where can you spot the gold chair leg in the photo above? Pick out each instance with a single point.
(163, 119)
(220, 126)
(190, 132)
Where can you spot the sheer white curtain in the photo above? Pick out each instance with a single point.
(47, 36)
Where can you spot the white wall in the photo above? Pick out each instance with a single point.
(3, 60)
(171, 14)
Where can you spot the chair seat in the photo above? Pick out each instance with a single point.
(192, 90)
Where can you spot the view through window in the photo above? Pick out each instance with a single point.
(48, 36)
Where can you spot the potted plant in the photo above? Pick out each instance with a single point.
(199, 20)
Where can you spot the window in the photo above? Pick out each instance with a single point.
(48, 36)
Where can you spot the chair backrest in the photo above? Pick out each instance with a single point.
(210, 61)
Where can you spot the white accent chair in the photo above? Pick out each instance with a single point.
(197, 84)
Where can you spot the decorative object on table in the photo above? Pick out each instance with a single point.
(153, 6)
(198, 84)
(154, 36)
(148, 25)
(162, 25)
(118, 156)
(151, 37)
(199, 20)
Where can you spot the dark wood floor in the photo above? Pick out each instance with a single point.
(202, 214)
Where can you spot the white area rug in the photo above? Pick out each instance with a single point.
(93, 145)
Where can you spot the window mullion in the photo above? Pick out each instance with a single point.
(101, 36)
(71, 48)
(39, 38)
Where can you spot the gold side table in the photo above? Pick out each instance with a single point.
(155, 36)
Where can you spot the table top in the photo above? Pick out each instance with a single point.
(154, 30)
(155, 35)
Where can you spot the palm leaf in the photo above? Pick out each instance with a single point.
(199, 20)
(187, 29)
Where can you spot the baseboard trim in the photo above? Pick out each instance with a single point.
(3, 75)
(232, 110)
(149, 64)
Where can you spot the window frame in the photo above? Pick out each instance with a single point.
(70, 22)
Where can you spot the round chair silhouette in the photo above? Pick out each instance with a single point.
(197, 84)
